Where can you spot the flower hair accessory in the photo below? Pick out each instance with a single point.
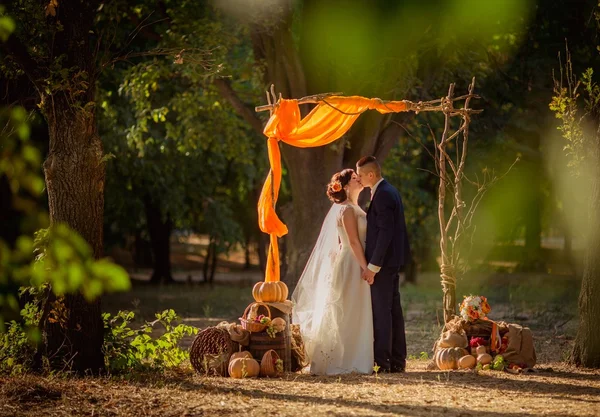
(474, 307)
(336, 186)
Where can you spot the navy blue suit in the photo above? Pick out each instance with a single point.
(387, 246)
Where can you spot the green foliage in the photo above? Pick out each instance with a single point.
(423, 356)
(417, 187)
(7, 25)
(17, 344)
(65, 260)
(179, 145)
(16, 349)
(20, 164)
(126, 349)
(565, 106)
(19, 160)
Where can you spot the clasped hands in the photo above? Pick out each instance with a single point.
(368, 276)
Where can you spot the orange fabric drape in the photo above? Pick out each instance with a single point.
(327, 122)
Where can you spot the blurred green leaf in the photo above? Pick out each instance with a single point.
(75, 276)
(7, 26)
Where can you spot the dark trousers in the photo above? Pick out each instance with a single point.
(388, 322)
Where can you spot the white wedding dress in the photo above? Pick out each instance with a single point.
(332, 303)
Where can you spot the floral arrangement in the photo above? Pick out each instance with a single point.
(474, 307)
(478, 341)
(336, 186)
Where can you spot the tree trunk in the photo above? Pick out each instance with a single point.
(586, 350)
(10, 219)
(142, 251)
(532, 172)
(160, 230)
(208, 259)
(247, 263)
(410, 273)
(74, 174)
(213, 264)
(262, 244)
(533, 221)
(309, 171)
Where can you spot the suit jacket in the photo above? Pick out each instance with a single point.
(387, 241)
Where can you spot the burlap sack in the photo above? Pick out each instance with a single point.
(520, 349)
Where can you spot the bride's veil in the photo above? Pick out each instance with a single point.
(316, 307)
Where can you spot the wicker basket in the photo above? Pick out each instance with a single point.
(252, 326)
(211, 350)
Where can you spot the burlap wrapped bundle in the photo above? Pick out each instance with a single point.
(237, 333)
(299, 357)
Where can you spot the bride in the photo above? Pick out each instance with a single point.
(332, 303)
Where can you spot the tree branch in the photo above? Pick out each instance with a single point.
(142, 28)
(386, 140)
(228, 93)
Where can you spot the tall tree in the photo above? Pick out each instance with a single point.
(62, 49)
(380, 48)
(579, 112)
(54, 45)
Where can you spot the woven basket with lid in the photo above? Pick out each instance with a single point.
(211, 350)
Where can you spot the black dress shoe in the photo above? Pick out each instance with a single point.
(397, 369)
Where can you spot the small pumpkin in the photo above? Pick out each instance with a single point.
(453, 339)
(447, 358)
(268, 364)
(484, 359)
(242, 354)
(279, 324)
(270, 292)
(467, 362)
(243, 368)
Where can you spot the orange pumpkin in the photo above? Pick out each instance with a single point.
(270, 292)
(268, 364)
(242, 354)
(447, 358)
(243, 368)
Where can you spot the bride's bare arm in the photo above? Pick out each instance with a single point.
(350, 223)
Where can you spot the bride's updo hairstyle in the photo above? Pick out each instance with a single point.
(335, 188)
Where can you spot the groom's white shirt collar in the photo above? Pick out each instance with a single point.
(374, 188)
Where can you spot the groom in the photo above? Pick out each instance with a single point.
(387, 250)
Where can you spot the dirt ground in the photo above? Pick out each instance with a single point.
(545, 303)
(553, 390)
